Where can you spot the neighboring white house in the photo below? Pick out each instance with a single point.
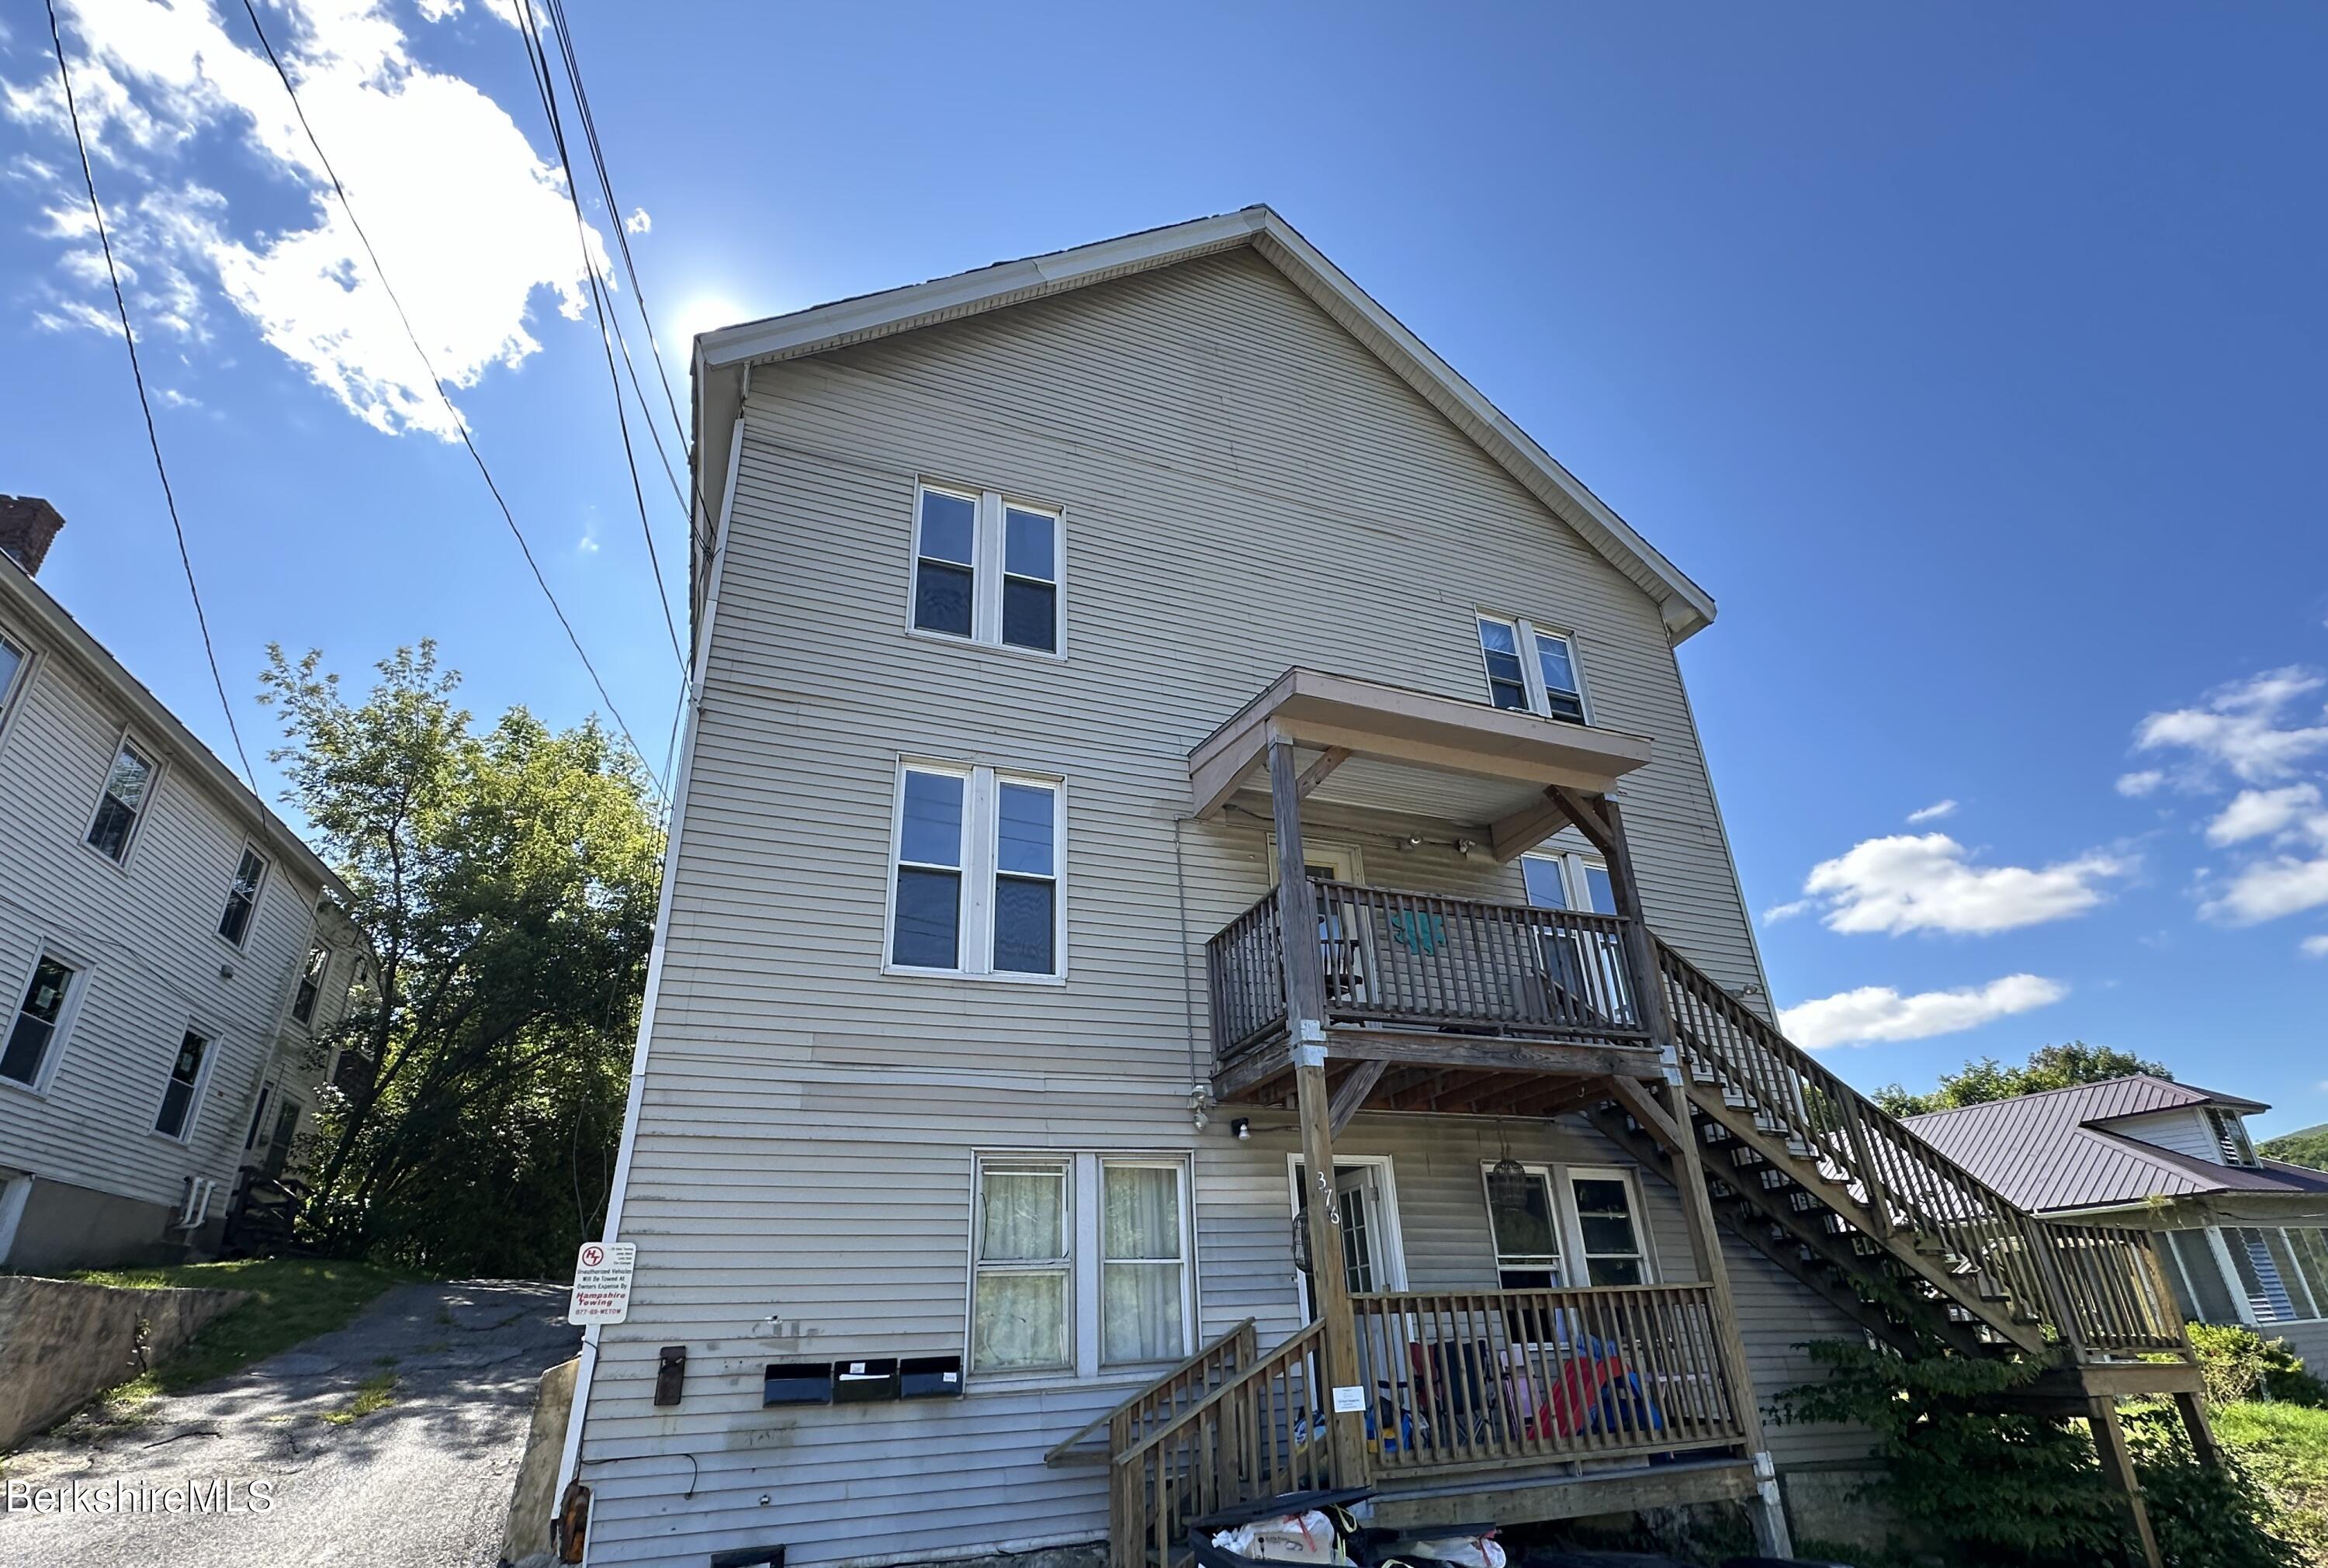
(168, 951)
(1181, 785)
(2246, 1237)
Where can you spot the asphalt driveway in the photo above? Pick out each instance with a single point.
(299, 1460)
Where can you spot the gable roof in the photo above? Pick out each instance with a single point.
(2058, 1151)
(722, 357)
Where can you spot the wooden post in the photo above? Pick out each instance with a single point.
(2203, 1445)
(1606, 829)
(1305, 1006)
(2117, 1467)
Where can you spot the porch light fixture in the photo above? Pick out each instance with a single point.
(1508, 1178)
(1301, 1241)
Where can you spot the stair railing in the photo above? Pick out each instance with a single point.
(2096, 1287)
(1160, 1401)
(1263, 1432)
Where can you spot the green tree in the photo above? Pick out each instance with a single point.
(2047, 1067)
(2308, 1147)
(507, 881)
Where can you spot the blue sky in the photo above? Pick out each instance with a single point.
(1972, 363)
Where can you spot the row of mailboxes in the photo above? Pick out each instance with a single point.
(862, 1381)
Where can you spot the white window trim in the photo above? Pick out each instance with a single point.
(986, 585)
(1385, 1169)
(12, 699)
(1085, 1264)
(1525, 632)
(212, 1046)
(1563, 1176)
(1574, 864)
(974, 933)
(250, 923)
(125, 737)
(323, 978)
(1554, 1187)
(61, 1038)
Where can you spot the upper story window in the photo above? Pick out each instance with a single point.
(175, 1119)
(123, 805)
(986, 570)
(34, 1033)
(974, 885)
(1530, 671)
(1568, 881)
(2230, 1137)
(311, 982)
(12, 664)
(242, 896)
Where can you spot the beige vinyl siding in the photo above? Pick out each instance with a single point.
(148, 931)
(1244, 489)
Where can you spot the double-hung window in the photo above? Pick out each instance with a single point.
(175, 1119)
(1079, 1263)
(1573, 1226)
(1557, 880)
(975, 882)
(40, 1019)
(128, 783)
(13, 659)
(1530, 671)
(986, 569)
(310, 983)
(242, 896)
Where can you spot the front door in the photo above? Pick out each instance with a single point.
(1338, 923)
(1368, 1259)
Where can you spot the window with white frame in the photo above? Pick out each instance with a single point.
(175, 1118)
(975, 883)
(311, 982)
(2230, 1134)
(242, 896)
(2283, 1272)
(122, 806)
(35, 1032)
(1574, 1225)
(1530, 670)
(1567, 880)
(986, 569)
(1079, 1263)
(13, 659)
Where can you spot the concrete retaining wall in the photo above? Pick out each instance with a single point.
(62, 1343)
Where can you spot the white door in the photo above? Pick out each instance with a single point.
(1369, 1259)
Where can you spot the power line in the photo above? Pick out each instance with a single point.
(138, 374)
(538, 57)
(460, 425)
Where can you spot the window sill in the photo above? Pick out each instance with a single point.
(121, 866)
(906, 971)
(38, 1091)
(947, 639)
(1002, 1383)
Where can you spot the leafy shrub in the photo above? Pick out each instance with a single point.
(2240, 1364)
(1989, 1484)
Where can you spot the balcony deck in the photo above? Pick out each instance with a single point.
(1442, 1003)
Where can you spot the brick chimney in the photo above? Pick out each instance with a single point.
(27, 524)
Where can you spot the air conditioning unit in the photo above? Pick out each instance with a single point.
(195, 1207)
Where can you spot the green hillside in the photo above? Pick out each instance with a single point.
(2309, 1147)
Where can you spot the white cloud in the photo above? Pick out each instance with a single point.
(1778, 912)
(2313, 946)
(1878, 1013)
(2134, 785)
(2267, 889)
(1922, 882)
(638, 222)
(2255, 813)
(1933, 813)
(2238, 727)
(468, 221)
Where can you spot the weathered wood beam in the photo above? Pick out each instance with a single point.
(1586, 811)
(1561, 1099)
(1522, 830)
(1350, 1094)
(1644, 1110)
(1317, 772)
(1438, 1050)
(1250, 1071)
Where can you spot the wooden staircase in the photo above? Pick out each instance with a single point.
(1914, 1248)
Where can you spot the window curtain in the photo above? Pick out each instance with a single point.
(1140, 1294)
(1021, 1312)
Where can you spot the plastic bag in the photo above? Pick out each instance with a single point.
(1457, 1551)
(1309, 1537)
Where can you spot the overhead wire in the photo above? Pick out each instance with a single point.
(138, 374)
(609, 329)
(460, 425)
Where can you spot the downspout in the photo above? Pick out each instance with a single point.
(570, 1456)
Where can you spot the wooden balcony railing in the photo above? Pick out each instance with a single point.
(2114, 1297)
(1501, 1377)
(1393, 957)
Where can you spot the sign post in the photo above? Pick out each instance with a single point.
(602, 1283)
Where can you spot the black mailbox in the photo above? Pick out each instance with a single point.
(930, 1377)
(859, 1382)
(798, 1382)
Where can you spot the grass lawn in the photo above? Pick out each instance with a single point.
(293, 1298)
(2286, 1448)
